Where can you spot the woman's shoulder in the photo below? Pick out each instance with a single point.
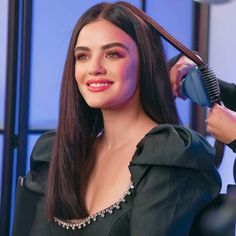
(174, 145)
(40, 158)
(171, 147)
(172, 163)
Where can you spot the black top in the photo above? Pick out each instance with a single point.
(173, 174)
(228, 96)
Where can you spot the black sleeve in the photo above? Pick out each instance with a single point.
(228, 94)
(168, 200)
(174, 177)
(228, 97)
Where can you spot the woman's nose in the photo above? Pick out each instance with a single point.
(96, 67)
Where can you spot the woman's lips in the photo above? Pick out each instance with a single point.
(98, 85)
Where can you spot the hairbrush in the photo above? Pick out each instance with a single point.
(201, 86)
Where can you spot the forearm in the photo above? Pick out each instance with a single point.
(221, 123)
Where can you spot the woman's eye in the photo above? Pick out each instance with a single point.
(81, 57)
(114, 55)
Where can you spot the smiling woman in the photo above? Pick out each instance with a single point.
(106, 68)
(120, 163)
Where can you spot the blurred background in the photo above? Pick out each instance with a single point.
(34, 36)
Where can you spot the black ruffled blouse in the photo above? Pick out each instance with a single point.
(173, 176)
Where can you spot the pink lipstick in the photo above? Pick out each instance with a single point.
(98, 85)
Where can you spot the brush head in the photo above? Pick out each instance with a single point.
(211, 84)
(201, 86)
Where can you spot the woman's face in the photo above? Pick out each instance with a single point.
(107, 65)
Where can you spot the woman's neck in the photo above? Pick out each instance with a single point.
(125, 126)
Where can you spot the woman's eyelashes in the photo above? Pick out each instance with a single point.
(81, 56)
(114, 54)
(111, 54)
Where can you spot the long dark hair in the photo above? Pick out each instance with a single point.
(79, 124)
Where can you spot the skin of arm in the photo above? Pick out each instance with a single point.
(177, 73)
(221, 123)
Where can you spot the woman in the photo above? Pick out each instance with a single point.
(121, 164)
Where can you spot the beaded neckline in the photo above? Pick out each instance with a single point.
(88, 220)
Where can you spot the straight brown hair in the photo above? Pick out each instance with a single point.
(79, 124)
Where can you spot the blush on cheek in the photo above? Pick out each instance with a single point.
(132, 75)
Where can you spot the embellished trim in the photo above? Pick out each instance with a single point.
(88, 220)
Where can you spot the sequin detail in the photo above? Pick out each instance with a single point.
(88, 220)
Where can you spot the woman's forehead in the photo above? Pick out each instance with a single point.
(103, 32)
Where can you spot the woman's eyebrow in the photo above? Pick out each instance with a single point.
(115, 44)
(81, 48)
(104, 47)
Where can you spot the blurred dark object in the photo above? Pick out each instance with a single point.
(234, 170)
(220, 148)
(213, 1)
(217, 218)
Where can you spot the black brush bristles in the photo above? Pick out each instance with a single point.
(211, 84)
